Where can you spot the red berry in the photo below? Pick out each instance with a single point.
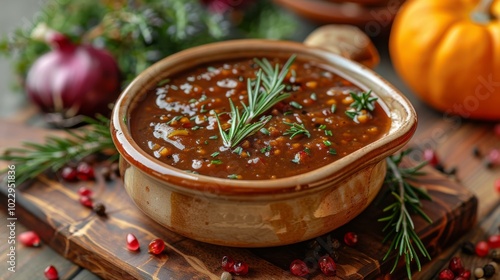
(351, 239)
(240, 268)
(84, 171)
(68, 174)
(446, 275)
(156, 246)
(51, 273)
(497, 185)
(29, 238)
(465, 274)
(456, 265)
(494, 241)
(431, 157)
(299, 268)
(84, 191)
(132, 242)
(86, 201)
(327, 266)
(227, 263)
(482, 249)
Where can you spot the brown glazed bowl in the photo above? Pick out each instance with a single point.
(258, 213)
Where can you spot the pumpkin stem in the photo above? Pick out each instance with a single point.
(482, 12)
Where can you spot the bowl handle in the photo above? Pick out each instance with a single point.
(346, 40)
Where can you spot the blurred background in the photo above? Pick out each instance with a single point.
(13, 14)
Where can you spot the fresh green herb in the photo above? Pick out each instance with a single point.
(328, 133)
(206, 142)
(400, 229)
(176, 118)
(333, 108)
(332, 151)
(322, 127)
(213, 137)
(351, 113)
(216, 161)
(363, 100)
(296, 129)
(307, 150)
(163, 82)
(265, 149)
(202, 109)
(265, 131)
(327, 143)
(263, 93)
(211, 69)
(287, 113)
(296, 105)
(33, 159)
(195, 127)
(233, 176)
(192, 100)
(314, 97)
(214, 154)
(238, 150)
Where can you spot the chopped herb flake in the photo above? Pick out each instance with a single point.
(322, 126)
(296, 129)
(296, 105)
(214, 154)
(238, 150)
(216, 161)
(327, 143)
(195, 127)
(213, 137)
(328, 133)
(265, 149)
(233, 176)
(313, 96)
(163, 82)
(333, 108)
(332, 151)
(265, 131)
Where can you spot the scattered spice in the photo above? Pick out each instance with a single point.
(156, 246)
(29, 238)
(468, 248)
(299, 268)
(100, 209)
(132, 242)
(51, 273)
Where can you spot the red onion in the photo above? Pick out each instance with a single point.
(72, 79)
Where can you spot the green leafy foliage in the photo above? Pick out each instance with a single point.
(141, 32)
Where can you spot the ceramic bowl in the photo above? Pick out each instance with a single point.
(258, 213)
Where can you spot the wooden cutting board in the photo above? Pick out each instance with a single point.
(51, 208)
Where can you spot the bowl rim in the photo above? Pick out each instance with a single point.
(402, 127)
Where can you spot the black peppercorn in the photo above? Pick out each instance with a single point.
(468, 248)
(476, 152)
(489, 270)
(495, 255)
(100, 209)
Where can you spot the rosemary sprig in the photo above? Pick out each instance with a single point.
(362, 101)
(265, 91)
(400, 229)
(33, 159)
(296, 129)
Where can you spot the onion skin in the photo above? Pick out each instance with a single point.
(73, 79)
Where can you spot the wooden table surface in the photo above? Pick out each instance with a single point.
(453, 139)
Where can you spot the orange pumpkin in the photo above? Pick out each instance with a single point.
(448, 52)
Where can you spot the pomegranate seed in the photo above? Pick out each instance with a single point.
(51, 273)
(466, 274)
(482, 249)
(84, 172)
(156, 246)
(496, 130)
(496, 185)
(86, 201)
(446, 275)
(431, 157)
(240, 268)
(459, 278)
(351, 239)
(456, 265)
(494, 156)
(327, 266)
(494, 241)
(227, 263)
(29, 238)
(68, 174)
(299, 268)
(132, 242)
(84, 191)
